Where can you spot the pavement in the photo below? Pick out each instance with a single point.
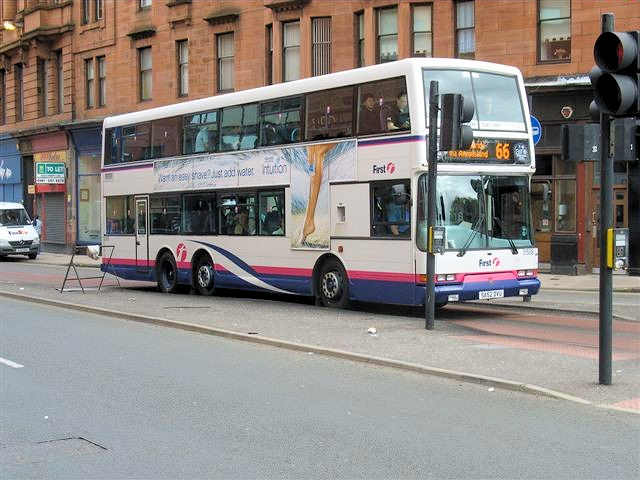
(533, 347)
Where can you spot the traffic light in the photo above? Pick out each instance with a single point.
(616, 76)
(456, 111)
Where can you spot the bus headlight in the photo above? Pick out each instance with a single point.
(448, 277)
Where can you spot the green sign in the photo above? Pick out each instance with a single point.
(50, 172)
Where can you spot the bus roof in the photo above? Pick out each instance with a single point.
(305, 85)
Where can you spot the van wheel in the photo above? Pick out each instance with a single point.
(33, 256)
(167, 274)
(203, 276)
(333, 285)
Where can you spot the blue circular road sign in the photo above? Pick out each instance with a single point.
(536, 129)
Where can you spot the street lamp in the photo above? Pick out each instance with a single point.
(10, 25)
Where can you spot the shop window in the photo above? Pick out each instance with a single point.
(391, 209)
(165, 214)
(280, 121)
(329, 114)
(542, 206)
(272, 214)
(166, 137)
(237, 214)
(120, 215)
(199, 213)
(565, 198)
(383, 107)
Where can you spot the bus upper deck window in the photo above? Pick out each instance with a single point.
(383, 107)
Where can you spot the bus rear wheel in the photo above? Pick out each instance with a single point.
(333, 285)
(204, 281)
(167, 274)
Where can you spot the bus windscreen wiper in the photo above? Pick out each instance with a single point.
(512, 244)
(473, 234)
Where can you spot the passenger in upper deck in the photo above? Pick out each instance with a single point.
(369, 116)
(398, 115)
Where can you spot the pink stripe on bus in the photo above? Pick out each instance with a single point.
(384, 276)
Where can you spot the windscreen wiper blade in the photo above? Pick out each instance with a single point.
(512, 244)
(473, 234)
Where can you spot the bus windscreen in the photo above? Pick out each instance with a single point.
(496, 97)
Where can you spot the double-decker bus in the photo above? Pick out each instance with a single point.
(318, 187)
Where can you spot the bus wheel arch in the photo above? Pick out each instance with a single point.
(331, 282)
(203, 272)
(166, 271)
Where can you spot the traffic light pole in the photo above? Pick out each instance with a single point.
(606, 222)
(430, 294)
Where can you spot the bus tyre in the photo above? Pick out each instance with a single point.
(167, 274)
(333, 285)
(203, 280)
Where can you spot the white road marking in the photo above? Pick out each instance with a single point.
(10, 363)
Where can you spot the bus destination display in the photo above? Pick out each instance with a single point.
(490, 150)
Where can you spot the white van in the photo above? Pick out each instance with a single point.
(17, 234)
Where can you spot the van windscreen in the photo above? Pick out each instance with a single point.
(14, 217)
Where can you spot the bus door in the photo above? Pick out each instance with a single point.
(142, 234)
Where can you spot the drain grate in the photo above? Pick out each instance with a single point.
(48, 450)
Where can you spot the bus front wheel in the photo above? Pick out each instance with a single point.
(333, 285)
(204, 276)
(167, 274)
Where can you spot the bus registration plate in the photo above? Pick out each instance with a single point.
(486, 294)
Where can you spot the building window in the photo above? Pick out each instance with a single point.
(321, 28)
(183, 68)
(465, 30)
(102, 82)
(146, 80)
(360, 39)
(291, 51)
(387, 50)
(3, 93)
(59, 82)
(145, 4)
(422, 40)
(17, 78)
(42, 87)
(269, 66)
(554, 30)
(98, 9)
(225, 62)
(85, 11)
(89, 79)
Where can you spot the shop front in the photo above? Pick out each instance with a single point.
(87, 144)
(566, 185)
(52, 195)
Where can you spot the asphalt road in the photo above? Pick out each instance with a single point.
(103, 398)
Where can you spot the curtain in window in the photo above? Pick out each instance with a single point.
(291, 51)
